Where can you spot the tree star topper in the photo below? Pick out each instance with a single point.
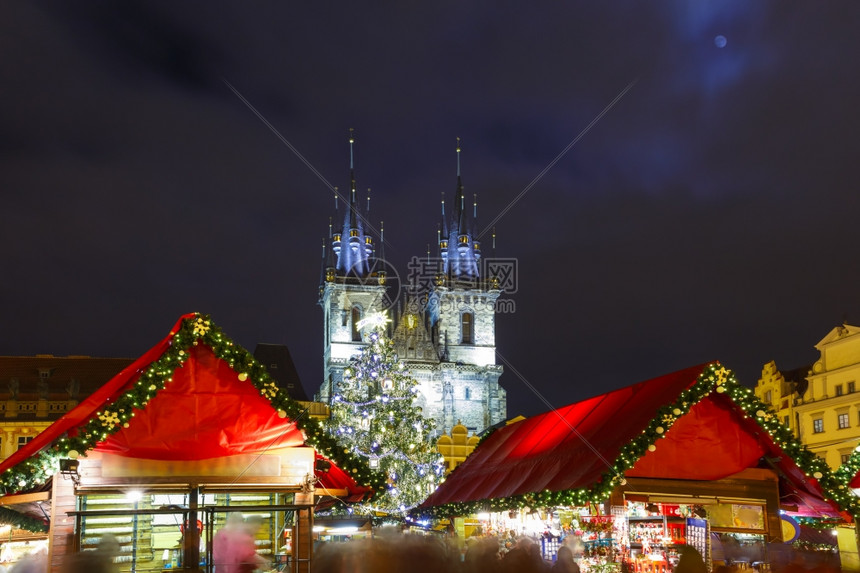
(374, 320)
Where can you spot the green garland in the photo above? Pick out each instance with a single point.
(810, 546)
(195, 330)
(818, 523)
(714, 378)
(849, 469)
(21, 521)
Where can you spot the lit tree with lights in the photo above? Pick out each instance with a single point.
(373, 413)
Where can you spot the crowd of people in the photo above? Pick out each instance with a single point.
(234, 551)
(426, 554)
(431, 554)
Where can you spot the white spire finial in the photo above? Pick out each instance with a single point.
(351, 141)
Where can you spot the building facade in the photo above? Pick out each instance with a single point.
(443, 323)
(37, 390)
(782, 389)
(821, 404)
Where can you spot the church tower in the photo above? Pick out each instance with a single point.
(460, 379)
(351, 285)
(443, 331)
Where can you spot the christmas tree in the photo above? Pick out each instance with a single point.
(373, 413)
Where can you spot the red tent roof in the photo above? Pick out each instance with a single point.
(674, 426)
(186, 404)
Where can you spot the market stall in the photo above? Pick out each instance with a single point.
(633, 474)
(163, 455)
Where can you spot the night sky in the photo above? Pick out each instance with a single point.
(710, 212)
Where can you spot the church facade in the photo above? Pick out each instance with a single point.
(443, 323)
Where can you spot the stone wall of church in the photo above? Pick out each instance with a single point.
(453, 393)
(462, 389)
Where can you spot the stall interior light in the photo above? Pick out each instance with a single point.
(342, 530)
(318, 528)
(682, 500)
(483, 516)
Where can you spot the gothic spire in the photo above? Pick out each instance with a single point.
(350, 244)
(457, 245)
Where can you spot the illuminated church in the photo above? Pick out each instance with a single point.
(443, 321)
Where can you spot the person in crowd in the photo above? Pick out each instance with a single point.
(35, 562)
(690, 561)
(525, 557)
(564, 562)
(482, 556)
(233, 547)
(99, 560)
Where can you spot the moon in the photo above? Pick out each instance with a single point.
(720, 41)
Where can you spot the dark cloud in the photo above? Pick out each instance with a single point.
(707, 215)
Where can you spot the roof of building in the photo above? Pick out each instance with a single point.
(694, 424)
(279, 363)
(55, 377)
(797, 377)
(194, 395)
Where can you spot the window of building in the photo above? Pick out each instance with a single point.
(467, 393)
(843, 421)
(844, 457)
(768, 397)
(785, 421)
(356, 318)
(467, 327)
(838, 389)
(23, 441)
(851, 387)
(817, 425)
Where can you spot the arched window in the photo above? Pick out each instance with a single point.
(356, 318)
(467, 394)
(467, 320)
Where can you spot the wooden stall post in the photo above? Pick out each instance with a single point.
(63, 540)
(191, 549)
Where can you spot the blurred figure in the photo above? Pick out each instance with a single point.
(389, 554)
(564, 562)
(234, 549)
(482, 556)
(35, 562)
(691, 561)
(525, 557)
(99, 560)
